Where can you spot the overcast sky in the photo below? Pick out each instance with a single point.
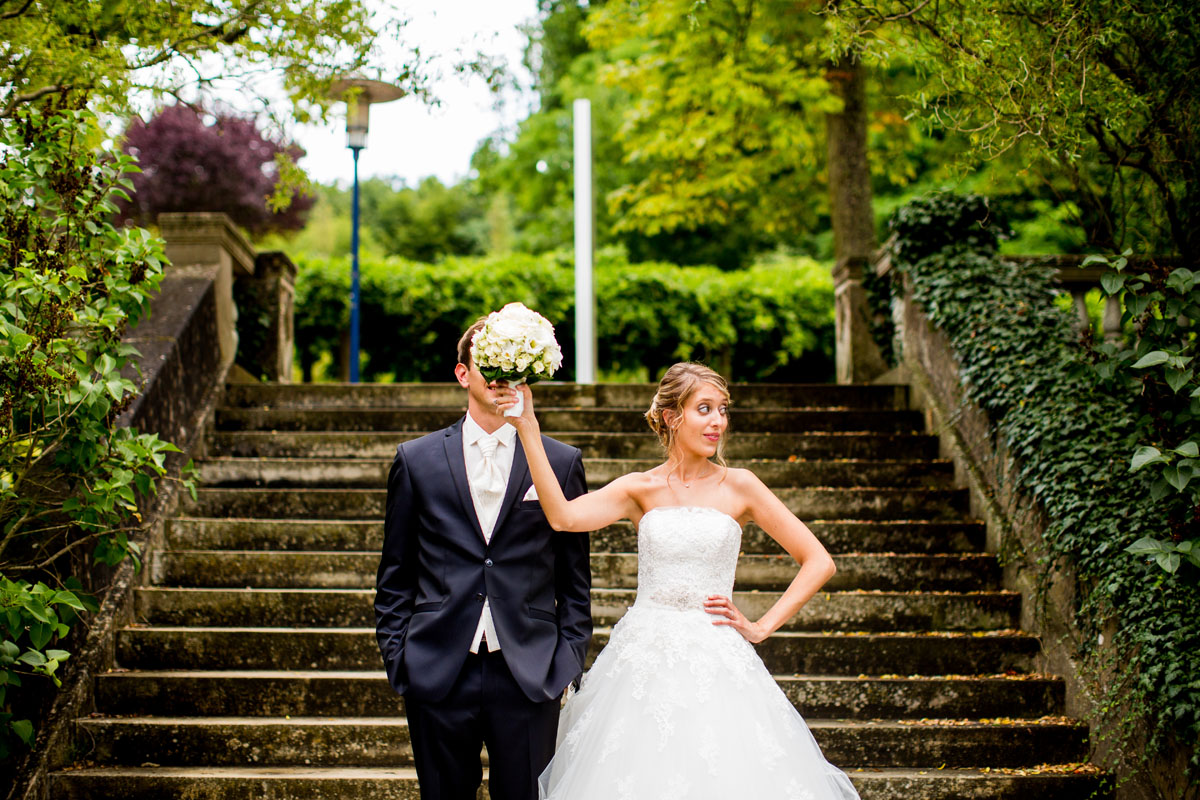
(411, 140)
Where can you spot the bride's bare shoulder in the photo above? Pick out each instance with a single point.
(638, 481)
(742, 479)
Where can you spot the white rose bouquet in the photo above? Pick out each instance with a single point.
(516, 344)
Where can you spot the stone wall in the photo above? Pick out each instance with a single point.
(1015, 524)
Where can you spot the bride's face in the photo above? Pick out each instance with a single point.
(705, 419)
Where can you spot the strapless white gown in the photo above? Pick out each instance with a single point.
(676, 708)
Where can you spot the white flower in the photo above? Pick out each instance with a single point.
(517, 341)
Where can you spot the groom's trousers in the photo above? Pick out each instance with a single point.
(485, 706)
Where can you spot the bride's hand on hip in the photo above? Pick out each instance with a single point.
(728, 614)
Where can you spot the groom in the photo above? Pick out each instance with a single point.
(482, 610)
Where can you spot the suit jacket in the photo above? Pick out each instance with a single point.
(436, 569)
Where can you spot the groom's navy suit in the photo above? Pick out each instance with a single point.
(436, 571)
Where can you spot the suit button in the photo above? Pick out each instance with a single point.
(479, 597)
(487, 563)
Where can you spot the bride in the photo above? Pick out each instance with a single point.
(679, 705)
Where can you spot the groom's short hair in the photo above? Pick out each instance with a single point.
(464, 344)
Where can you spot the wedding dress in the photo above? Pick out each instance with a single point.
(676, 708)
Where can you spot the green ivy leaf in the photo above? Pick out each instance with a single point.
(1145, 455)
(1188, 450)
(1152, 359)
(1177, 477)
(33, 658)
(1111, 282)
(1168, 561)
(1178, 378)
(23, 728)
(1147, 546)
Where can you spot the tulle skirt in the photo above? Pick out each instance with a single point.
(678, 708)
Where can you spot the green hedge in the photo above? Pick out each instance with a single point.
(773, 322)
(1072, 435)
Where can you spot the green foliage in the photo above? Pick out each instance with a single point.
(427, 222)
(32, 618)
(1163, 306)
(422, 223)
(729, 111)
(529, 178)
(1092, 90)
(770, 322)
(930, 224)
(70, 284)
(1071, 436)
(114, 48)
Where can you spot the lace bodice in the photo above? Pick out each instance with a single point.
(685, 554)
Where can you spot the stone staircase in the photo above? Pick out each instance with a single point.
(253, 671)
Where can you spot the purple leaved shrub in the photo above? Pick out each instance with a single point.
(226, 165)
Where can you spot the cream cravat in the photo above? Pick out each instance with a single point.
(488, 480)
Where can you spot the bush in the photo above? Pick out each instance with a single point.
(228, 165)
(770, 322)
(70, 482)
(1072, 427)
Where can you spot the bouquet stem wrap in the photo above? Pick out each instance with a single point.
(519, 408)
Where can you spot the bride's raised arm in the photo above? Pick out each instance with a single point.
(589, 511)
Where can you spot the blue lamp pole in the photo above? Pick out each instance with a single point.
(355, 294)
(359, 94)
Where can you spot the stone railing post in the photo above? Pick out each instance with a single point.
(856, 355)
(210, 245)
(266, 323)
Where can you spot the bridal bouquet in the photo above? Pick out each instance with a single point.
(516, 344)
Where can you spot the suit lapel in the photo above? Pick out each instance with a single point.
(516, 479)
(458, 469)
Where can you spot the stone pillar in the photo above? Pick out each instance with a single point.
(208, 245)
(265, 323)
(856, 355)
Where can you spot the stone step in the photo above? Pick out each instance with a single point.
(621, 395)
(384, 741)
(356, 694)
(1067, 782)
(844, 611)
(200, 533)
(642, 444)
(561, 419)
(344, 570)
(372, 473)
(877, 503)
(851, 654)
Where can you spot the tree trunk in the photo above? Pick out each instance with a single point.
(857, 356)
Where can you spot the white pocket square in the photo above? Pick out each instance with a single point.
(531, 494)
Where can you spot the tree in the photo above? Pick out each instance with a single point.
(111, 49)
(226, 165)
(429, 221)
(731, 103)
(1101, 92)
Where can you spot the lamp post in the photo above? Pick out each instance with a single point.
(362, 93)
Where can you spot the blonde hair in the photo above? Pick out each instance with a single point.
(674, 390)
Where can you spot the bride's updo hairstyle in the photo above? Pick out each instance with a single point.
(674, 390)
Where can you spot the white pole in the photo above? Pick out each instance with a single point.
(585, 241)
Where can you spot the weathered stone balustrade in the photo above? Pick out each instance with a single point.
(1015, 521)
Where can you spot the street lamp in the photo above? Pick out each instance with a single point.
(359, 94)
